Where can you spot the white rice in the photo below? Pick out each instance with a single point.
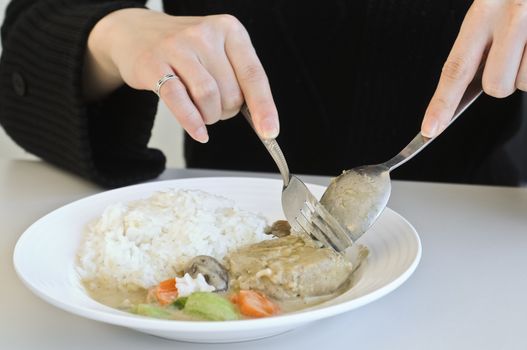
(139, 244)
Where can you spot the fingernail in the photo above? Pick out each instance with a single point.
(269, 128)
(430, 129)
(202, 135)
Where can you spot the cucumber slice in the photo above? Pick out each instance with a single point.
(210, 306)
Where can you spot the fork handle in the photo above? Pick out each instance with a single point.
(272, 147)
(419, 142)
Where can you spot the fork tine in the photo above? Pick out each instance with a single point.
(319, 227)
(325, 236)
(296, 227)
(304, 222)
(309, 228)
(337, 242)
(343, 235)
(303, 210)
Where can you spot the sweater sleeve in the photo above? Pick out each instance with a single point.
(41, 103)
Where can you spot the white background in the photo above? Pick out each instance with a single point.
(167, 134)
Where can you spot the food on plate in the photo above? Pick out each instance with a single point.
(165, 292)
(288, 267)
(136, 245)
(190, 255)
(211, 269)
(210, 306)
(254, 304)
(279, 228)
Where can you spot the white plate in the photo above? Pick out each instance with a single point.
(44, 259)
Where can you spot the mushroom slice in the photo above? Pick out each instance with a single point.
(214, 272)
(279, 228)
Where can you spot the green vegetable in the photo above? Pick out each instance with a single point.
(179, 303)
(151, 311)
(210, 306)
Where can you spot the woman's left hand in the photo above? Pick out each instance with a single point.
(493, 33)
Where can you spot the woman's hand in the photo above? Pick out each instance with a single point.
(212, 57)
(494, 33)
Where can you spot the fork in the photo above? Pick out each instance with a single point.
(301, 208)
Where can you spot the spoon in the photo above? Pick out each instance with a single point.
(358, 196)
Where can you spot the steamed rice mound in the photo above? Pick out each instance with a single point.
(138, 244)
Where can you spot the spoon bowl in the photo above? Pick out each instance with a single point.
(363, 192)
(358, 196)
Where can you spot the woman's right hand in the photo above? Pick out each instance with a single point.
(213, 58)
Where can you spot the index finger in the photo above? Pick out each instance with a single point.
(459, 69)
(253, 83)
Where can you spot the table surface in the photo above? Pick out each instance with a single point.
(469, 291)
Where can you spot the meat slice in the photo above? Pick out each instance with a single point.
(288, 267)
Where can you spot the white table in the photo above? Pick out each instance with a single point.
(469, 292)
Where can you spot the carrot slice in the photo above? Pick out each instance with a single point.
(166, 291)
(254, 304)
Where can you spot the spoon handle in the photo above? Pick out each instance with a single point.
(272, 147)
(419, 142)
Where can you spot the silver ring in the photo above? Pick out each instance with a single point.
(163, 80)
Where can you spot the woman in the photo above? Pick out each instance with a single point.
(351, 80)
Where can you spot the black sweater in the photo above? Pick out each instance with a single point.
(351, 80)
